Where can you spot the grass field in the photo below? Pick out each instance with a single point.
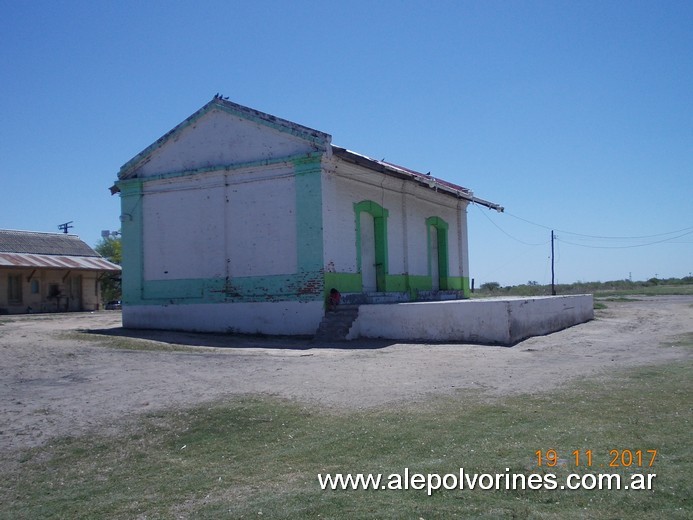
(618, 288)
(259, 457)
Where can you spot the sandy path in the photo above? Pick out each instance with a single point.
(50, 385)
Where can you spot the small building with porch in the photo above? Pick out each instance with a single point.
(50, 272)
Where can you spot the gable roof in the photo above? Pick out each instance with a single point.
(45, 250)
(320, 139)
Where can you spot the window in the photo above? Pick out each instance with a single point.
(34, 286)
(14, 288)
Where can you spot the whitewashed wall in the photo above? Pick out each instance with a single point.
(220, 138)
(261, 231)
(300, 318)
(183, 221)
(217, 224)
(408, 205)
(489, 321)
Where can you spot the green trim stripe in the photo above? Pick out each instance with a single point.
(131, 241)
(307, 284)
(309, 229)
(351, 283)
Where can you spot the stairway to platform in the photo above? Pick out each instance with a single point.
(336, 324)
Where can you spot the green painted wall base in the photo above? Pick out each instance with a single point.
(412, 284)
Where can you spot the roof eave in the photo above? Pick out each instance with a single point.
(421, 179)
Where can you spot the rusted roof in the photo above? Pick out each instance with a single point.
(424, 179)
(320, 139)
(82, 263)
(36, 250)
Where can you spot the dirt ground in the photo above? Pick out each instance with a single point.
(56, 380)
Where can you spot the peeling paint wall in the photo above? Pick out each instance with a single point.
(228, 213)
(408, 242)
(239, 222)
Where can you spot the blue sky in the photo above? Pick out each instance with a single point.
(575, 116)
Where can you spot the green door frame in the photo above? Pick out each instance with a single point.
(379, 215)
(442, 235)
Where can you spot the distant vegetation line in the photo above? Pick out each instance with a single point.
(653, 286)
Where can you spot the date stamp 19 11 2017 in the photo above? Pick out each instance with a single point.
(588, 458)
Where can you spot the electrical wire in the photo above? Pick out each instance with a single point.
(505, 232)
(690, 229)
(625, 247)
(513, 260)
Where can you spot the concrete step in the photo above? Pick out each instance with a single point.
(437, 296)
(366, 298)
(336, 324)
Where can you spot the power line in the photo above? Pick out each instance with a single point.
(505, 232)
(604, 237)
(669, 236)
(629, 246)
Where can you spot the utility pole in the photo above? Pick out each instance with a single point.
(553, 286)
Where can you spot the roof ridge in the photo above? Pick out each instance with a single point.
(40, 232)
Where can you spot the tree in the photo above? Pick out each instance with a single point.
(490, 286)
(110, 248)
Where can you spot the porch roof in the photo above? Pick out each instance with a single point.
(36, 250)
(79, 263)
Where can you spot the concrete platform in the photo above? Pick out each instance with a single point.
(490, 321)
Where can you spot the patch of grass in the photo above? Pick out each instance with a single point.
(122, 343)
(599, 306)
(619, 299)
(653, 290)
(682, 340)
(599, 289)
(259, 457)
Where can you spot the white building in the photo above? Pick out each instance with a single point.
(237, 220)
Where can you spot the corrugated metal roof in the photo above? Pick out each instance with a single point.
(83, 263)
(424, 179)
(12, 241)
(35, 250)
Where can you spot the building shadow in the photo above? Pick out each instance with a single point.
(235, 340)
